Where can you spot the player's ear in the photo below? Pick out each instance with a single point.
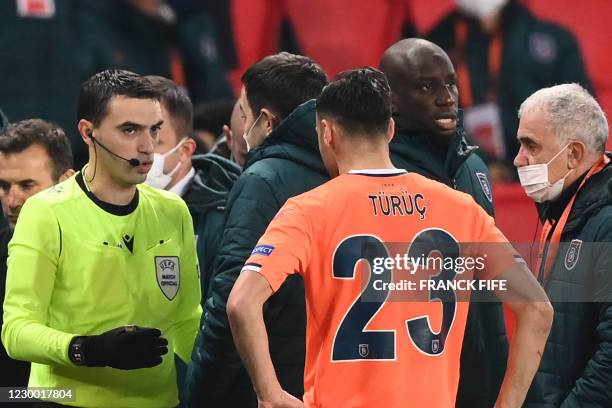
(327, 132)
(390, 130)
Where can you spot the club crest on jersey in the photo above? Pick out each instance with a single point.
(364, 350)
(573, 252)
(168, 273)
(435, 346)
(484, 184)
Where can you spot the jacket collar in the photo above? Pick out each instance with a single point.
(552, 210)
(595, 194)
(416, 148)
(213, 179)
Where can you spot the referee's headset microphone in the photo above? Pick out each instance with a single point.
(133, 161)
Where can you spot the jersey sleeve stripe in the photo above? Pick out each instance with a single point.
(251, 267)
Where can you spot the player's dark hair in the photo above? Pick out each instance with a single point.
(97, 91)
(177, 103)
(359, 100)
(282, 82)
(21, 135)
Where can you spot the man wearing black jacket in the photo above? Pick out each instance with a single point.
(429, 140)
(283, 161)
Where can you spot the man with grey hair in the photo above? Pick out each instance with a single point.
(563, 167)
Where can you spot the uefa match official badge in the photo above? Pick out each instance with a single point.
(168, 273)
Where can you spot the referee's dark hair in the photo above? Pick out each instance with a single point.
(21, 135)
(281, 82)
(359, 100)
(177, 103)
(97, 91)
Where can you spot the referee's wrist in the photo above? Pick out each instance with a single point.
(76, 354)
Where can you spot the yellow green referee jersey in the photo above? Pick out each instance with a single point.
(80, 266)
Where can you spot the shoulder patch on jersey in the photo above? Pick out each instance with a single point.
(265, 250)
(168, 271)
(484, 184)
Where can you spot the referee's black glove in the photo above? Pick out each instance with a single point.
(126, 348)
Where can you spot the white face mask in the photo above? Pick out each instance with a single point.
(534, 179)
(483, 9)
(156, 176)
(247, 134)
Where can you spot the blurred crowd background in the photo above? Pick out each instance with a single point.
(48, 47)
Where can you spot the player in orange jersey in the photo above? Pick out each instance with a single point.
(364, 349)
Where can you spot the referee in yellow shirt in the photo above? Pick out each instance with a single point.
(102, 289)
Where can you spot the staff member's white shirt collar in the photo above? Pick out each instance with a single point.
(181, 187)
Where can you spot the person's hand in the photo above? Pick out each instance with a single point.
(126, 348)
(282, 400)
